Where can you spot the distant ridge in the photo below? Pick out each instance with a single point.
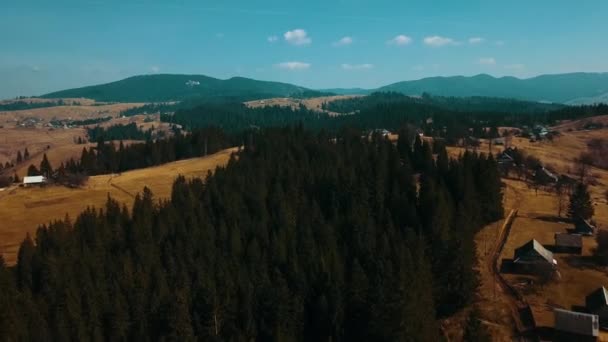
(580, 88)
(572, 88)
(167, 87)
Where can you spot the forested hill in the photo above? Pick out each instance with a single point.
(577, 88)
(161, 88)
(298, 239)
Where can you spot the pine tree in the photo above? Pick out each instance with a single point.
(19, 157)
(580, 207)
(26, 154)
(32, 171)
(45, 167)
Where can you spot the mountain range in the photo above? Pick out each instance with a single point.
(571, 88)
(166, 87)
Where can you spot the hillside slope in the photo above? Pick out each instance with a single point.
(165, 87)
(560, 88)
(22, 210)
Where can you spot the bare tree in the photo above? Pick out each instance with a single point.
(562, 194)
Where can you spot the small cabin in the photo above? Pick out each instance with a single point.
(568, 243)
(597, 303)
(546, 176)
(506, 157)
(575, 326)
(498, 141)
(34, 180)
(584, 227)
(532, 256)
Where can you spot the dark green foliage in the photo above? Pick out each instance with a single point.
(45, 167)
(300, 238)
(118, 132)
(451, 119)
(85, 122)
(560, 88)
(460, 104)
(107, 158)
(22, 105)
(32, 171)
(580, 207)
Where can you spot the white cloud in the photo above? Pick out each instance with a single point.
(272, 39)
(487, 61)
(293, 65)
(155, 69)
(476, 40)
(515, 67)
(438, 41)
(400, 40)
(344, 41)
(366, 66)
(297, 37)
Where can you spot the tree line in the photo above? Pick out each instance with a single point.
(106, 157)
(302, 237)
(445, 117)
(129, 131)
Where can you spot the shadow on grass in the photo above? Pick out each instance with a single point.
(583, 262)
(552, 218)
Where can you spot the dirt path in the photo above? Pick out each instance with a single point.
(518, 307)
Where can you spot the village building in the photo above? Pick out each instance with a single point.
(568, 243)
(597, 303)
(584, 227)
(506, 157)
(575, 326)
(532, 256)
(34, 180)
(498, 141)
(546, 176)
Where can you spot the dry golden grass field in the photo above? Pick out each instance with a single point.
(311, 104)
(37, 140)
(10, 118)
(22, 210)
(59, 143)
(579, 274)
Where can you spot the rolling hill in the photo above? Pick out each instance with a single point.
(561, 88)
(572, 88)
(165, 87)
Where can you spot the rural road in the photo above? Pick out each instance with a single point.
(515, 301)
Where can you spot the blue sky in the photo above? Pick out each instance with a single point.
(52, 45)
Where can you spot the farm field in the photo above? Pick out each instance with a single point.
(22, 210)
(537, 219)
(579, 275)
(312, 103)
(60, 143)
(82, 112)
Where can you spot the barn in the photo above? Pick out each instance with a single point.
(575, 326)
(568, 243)
(597, 303)
(532, 257)
(34, 180)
